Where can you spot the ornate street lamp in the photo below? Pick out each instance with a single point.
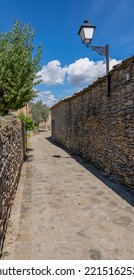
(86, 33)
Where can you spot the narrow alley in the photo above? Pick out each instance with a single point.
(64, 210)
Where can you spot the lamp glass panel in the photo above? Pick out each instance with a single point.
(88, 32)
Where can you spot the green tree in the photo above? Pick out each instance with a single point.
(18, 67)
(40, 112)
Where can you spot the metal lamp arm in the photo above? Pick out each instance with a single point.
(99, 50)
(105, 52)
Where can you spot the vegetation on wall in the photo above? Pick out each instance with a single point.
(18, 67)
(28, 122)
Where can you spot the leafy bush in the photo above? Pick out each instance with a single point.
(28, 122)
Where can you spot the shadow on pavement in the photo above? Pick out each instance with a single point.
(42, 130)
(28, 155)
(123, 191)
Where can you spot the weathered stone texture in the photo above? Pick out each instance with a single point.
(101, 128)
(11, 158)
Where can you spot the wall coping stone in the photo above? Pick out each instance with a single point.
(100, 80)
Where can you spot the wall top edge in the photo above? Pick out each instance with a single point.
(6, 120)
(117, 67)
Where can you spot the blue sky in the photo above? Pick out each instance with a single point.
(67, 65)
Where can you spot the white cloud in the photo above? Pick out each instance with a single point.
(80, 73)
(113, 62)
(85, 71)
(53, 73)
(47, 97)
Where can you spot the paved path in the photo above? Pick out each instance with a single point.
(63, 211)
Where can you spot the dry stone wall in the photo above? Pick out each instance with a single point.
(12, 148)
(101, 128)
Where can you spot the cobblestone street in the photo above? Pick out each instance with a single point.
(65, 210)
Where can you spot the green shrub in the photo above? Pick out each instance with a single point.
(28, 122)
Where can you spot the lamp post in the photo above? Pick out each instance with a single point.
(86, 33)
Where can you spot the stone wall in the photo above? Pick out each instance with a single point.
(99, 127)
(12, 148)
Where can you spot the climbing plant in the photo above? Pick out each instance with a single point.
(28, 122)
